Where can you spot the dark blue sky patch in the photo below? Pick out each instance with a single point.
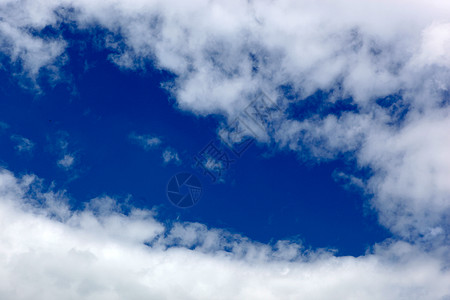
(396, 107)
(318, 106)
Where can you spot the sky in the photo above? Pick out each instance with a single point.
(313, 135)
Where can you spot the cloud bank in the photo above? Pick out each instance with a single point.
(110, 251)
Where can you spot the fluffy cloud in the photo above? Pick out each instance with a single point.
(223, 51)
(49, 252)
(412, 167)
(390, 58)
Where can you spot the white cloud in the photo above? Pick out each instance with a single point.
(49, 252)
(413, 169)
(22, 144)
(66, 162)
(213, 165)
(145, 141)
(60, 146)
(223, 52)
(148, 142)
(170, 155)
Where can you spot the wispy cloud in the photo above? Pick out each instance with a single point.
(66, 162)
(22, 144)
(60, 146)
(148, 142)
(145, 141)
(170, 155)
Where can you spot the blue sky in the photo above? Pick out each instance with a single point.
(263, 196)
(343, 194)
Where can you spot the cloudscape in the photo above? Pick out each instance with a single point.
(224, 149)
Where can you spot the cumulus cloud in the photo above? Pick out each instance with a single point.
(109, 250)
(413, 168)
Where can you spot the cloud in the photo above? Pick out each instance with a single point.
(22, 144)
(59, 145)
(145, 141)
(170, 155)
(49, 251)
(389, 59)
(235, 48)
(66, 162)
(148, 142)
(26, 50)
(412, 167)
